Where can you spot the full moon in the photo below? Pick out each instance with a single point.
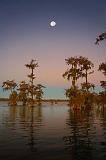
(52, 23)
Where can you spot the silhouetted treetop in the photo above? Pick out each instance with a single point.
(32, 65)
(101, 37)
(86, 68)
(72, 61)
(74, 72)
(9, 85)
(86, 64)
(102, 67)
(103, 84)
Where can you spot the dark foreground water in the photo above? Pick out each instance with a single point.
(51, 132)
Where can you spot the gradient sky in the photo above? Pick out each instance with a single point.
(25, 34)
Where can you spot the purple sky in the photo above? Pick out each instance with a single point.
(25, 34)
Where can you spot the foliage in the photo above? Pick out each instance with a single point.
(103, 84)
(39, 92)
(102, 95)
(87, 86)
(86, 65)
(11, 85)
(102, 68)
(26, 91)
(32, 65)
(101, 37)
(13, 99)
(31, 87)
(102, 98)
(74, 72)
(23, 92)
(79, 67)
(76, 97)
(33, 90)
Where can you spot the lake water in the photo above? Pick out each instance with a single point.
(51, 132)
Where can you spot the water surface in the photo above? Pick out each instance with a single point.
(51, 132)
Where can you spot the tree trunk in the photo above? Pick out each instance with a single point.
(32, 87)
(86, 76)
(73, 82)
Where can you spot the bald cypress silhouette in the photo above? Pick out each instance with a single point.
(35, 92)
(10, 85)
(23, 92)
(79, 67)
(74, 71)
(32, 66)
(102, 95)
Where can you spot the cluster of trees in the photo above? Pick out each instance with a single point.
(81, 67)
(27, 93)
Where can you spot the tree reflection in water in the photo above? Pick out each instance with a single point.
(28, 120)
(78, 142)
(83, 132)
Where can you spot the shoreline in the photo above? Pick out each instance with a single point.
(43, 100)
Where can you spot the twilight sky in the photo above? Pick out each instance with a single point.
(25, 34)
